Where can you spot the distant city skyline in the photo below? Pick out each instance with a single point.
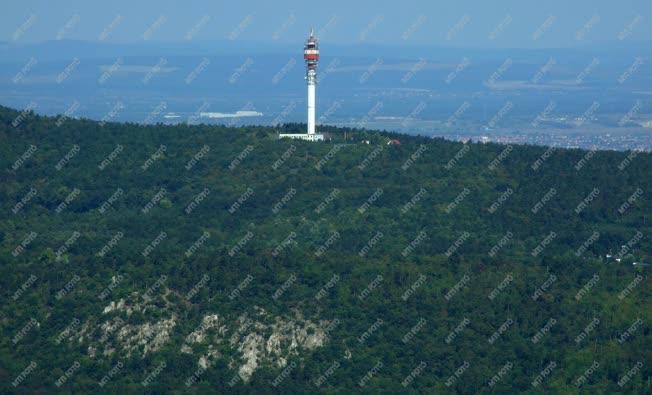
(461, 23)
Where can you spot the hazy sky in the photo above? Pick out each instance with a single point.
(478, 23)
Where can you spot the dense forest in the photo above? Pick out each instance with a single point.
(215, 259)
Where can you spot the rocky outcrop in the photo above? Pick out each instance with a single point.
(141, 324)
(120, 327)
(259, 339)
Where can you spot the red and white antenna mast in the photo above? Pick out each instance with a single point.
(311, 56)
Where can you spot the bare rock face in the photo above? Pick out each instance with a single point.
(128, 327)
(259, 339)
(209, 322)
(145, 338)
(140, 324)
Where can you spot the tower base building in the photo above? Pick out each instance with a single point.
(302, 136)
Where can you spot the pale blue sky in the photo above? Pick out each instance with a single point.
(516, 23)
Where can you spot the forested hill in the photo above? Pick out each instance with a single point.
(203, 259)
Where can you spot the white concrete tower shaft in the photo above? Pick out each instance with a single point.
(311, 107)
(311, 57)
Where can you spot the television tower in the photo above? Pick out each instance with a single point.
(311, 57)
